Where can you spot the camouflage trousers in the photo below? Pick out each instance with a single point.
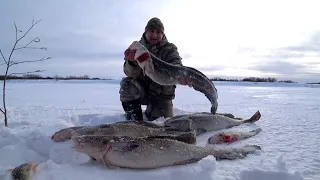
(131, 89)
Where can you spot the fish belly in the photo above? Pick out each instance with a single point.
(162, 78)
(150, 156)
(215, 124)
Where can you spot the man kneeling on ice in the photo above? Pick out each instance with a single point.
(137, 89)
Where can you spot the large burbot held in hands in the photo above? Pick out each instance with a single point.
(150, 153)
(168, 74)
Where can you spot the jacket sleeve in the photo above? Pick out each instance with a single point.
(173, 56)
(131, 69)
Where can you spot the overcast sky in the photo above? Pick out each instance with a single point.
(221, 38)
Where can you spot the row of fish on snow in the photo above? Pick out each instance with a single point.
(148, 145)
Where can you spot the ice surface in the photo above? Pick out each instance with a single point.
(290, 125)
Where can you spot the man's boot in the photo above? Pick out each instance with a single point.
(133, 110)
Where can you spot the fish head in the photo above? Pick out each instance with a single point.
(215, 139)
(92, 145)
(183, 124)
(62, 135)
(23, 171)
(143, 57)
(222, 138)
(31, 168)
(98, 145)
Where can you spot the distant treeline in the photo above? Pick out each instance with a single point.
(56, 77)
(86, 77)
(252, 79)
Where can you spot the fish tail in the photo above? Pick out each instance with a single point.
(234, 153)
(253, 118)
(256, 131)
(214, 107)
(250, 134)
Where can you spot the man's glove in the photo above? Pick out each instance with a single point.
(129, 54)
(136, 47)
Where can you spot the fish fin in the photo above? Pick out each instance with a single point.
(152, 66)
(197, 71)
(144, 71)
(106, 163)
(103, 126)
(226, 114)
(256, 130)
(187, 161)
(201, 131)
(186, 137)
(92, 161)
(251, 133)
(124, 146)
(253, 118)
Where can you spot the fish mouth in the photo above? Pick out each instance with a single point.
(54, 137)
(34, 167)
(77, 145)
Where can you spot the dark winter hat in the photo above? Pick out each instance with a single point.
(154, 23)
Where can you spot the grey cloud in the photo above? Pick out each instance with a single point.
(76, 33)
(283, 54)
(243, 50)
(312, 45)
(287, 70)
(73, 45)
(277, 60)
(278, 67)
(211, 68)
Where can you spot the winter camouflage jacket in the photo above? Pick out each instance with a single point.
(166, 51)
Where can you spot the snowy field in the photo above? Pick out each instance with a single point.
(290, 125)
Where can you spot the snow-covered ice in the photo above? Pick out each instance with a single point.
(290, 125)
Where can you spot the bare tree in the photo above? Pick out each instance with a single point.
(8, 62)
